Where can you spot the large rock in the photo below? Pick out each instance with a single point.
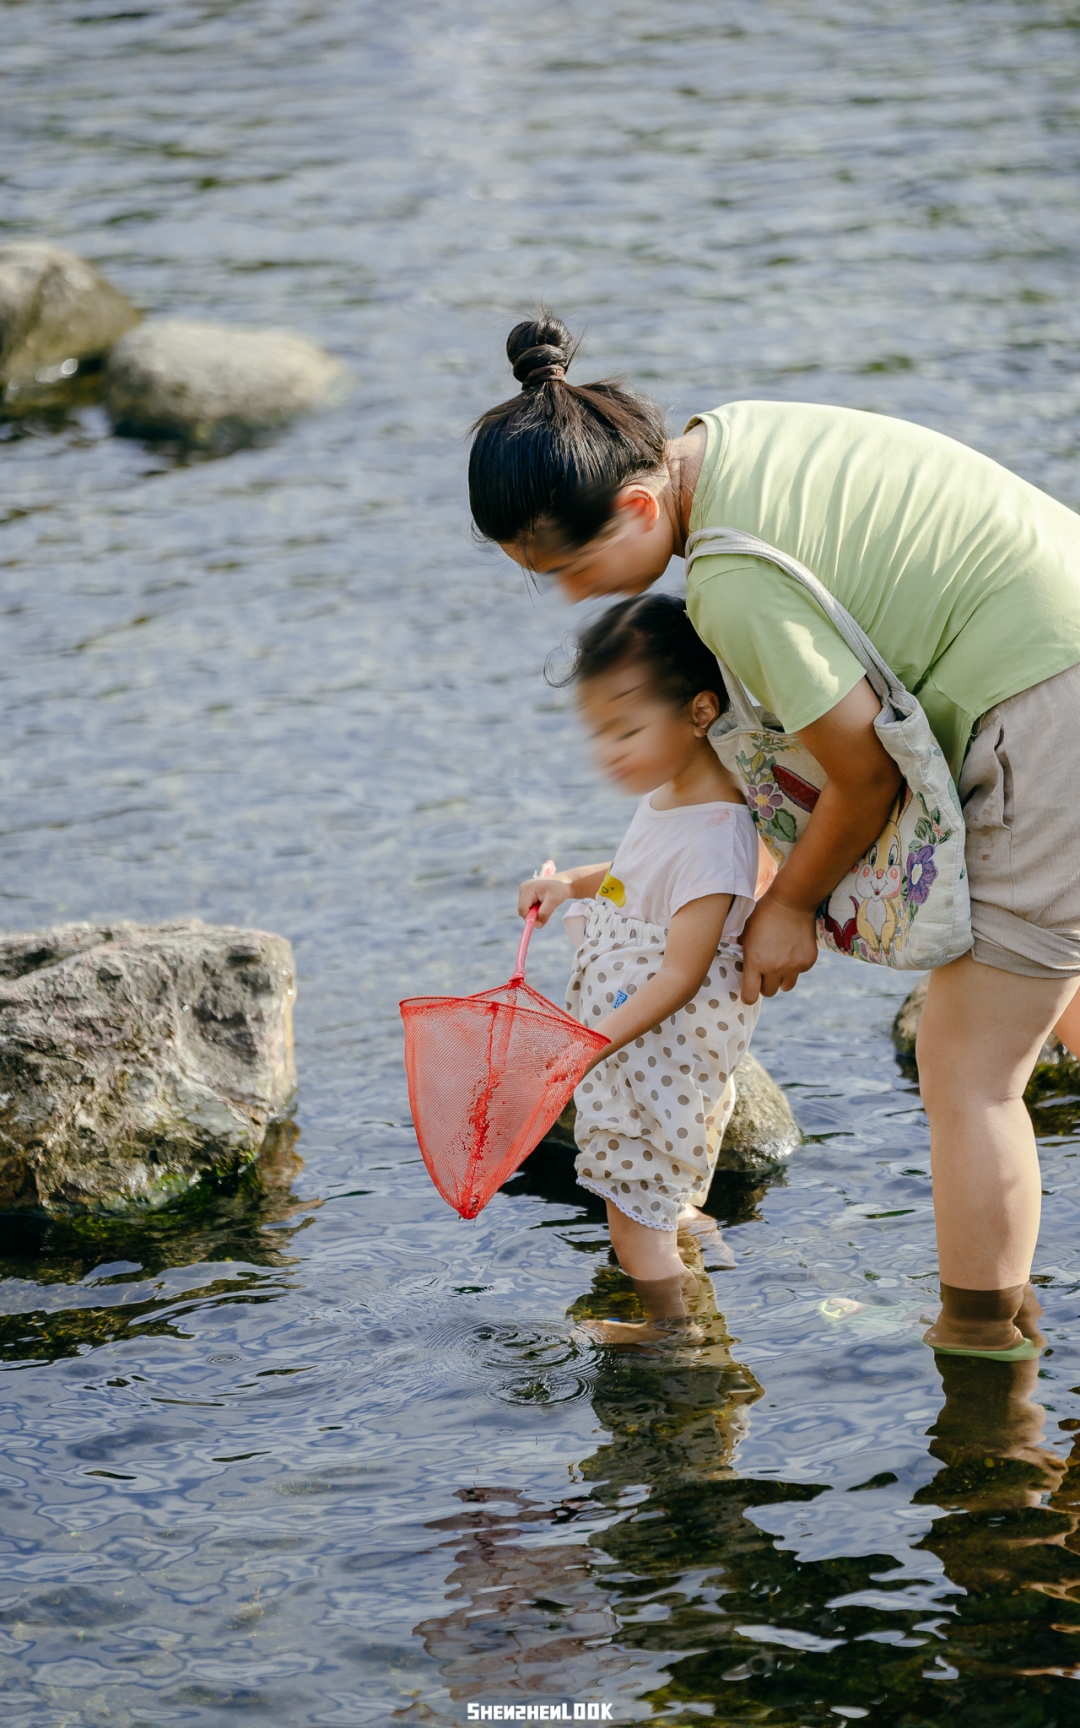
(1056, 1070)
(135, 1059)
(214, 385)
(763, 1132)
(761, 1135)
(56, 313)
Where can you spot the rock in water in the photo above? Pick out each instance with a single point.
(1056, 1070)
(761, 1135)
(136, 1058)
(905, 1027)
(763, 1132)
(214, 385)
(56, 313)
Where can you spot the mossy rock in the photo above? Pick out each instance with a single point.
(58, 316)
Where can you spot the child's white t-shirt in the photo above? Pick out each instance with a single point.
(669, 857)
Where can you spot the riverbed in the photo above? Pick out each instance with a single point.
(313, 1450)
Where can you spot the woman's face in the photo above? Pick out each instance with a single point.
(631, 552)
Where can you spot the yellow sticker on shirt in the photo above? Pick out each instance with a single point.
(612, 889)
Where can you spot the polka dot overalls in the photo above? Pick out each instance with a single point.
(650, 1119)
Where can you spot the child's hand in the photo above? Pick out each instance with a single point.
(547, 892)
(601, 1055)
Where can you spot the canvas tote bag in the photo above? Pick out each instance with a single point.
(905, 903)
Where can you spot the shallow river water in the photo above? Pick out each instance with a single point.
(317, 1452)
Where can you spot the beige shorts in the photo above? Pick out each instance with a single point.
(1023, 831)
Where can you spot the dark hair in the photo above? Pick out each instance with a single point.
(655, 631)
(555, 455)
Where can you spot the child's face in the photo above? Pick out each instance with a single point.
(640, 739)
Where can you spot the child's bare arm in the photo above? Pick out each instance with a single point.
(692, 940)
(549, 892)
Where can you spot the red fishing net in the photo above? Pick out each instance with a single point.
(488, 1076)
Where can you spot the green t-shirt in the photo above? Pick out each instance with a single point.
(965, 578)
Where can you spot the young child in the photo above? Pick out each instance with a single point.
(658, 967)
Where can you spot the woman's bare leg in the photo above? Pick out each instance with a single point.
(1068, 1026)
(980, 1034)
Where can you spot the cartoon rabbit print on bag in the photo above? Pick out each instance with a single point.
(879, 881)
(885, 890)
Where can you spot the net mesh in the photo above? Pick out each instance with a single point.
(488, 1076)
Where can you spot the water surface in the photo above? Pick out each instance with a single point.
(316, 1451)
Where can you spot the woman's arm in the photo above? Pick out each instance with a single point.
(692, 940)
(779, 941)
(549, 892)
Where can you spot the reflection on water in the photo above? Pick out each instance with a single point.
(312, 1450)
(245, 1218)
(650, 1582)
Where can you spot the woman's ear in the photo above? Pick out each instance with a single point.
(639, 506)
(704, 709)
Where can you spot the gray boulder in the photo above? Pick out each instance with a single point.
(56, 313)
(761, 1135)
(214, 385)
(135, 1059)
(906, 1024)
(1056, 1070)
(763, 1132)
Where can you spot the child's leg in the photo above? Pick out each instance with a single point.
(642, 1252)
(693, 1220)
(666, 1288)
(702, 1228)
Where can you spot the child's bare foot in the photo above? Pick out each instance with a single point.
(669, 1305)
(645, 1331)
(704, 1228)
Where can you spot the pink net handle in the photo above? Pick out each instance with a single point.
(530, 925)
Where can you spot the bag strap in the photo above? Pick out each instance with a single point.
(749, 718)
(727, 542)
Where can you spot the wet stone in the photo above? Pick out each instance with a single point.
(215, 385)
(57, 316)
(137, 1059)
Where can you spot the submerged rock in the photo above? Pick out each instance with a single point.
(1056, 1070)
(761, 1135)
(135, 1059)
(214, 385)
(56, 313)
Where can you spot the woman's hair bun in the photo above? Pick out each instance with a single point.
(538, 350)
(551, 459)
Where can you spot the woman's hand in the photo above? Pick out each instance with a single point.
(779, 944)
(547, 892)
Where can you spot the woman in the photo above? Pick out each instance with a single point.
(967, 580)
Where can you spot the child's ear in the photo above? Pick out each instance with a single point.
(704, 709)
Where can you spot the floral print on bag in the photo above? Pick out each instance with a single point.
(870, 914)
(770, 787)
